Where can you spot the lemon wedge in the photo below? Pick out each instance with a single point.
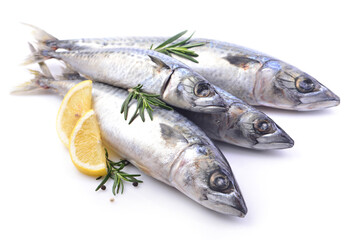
(76, 102)
(86, 148)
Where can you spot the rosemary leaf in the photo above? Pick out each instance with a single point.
(142, 109)
(184, 51)
(170, 40)
(182, 42)
(133, 118)
(103, 181)
(139, 102)
(180, 49)
(106, 153)
(115, 185)
(194, 45)
(122, 187)
(149, 111)
(185, 56)
(144, 101)
(114, 171)
(150, 95)
(125, 105)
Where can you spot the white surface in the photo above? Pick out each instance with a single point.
(308, 192)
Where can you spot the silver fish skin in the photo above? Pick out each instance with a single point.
(170, 148)
(241, 125)
(176, 83)
(257, 78)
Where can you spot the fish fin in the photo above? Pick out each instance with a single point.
(171, 135)
(38, 82)
(159, 62)
(43, 48)
(67, 73)
(31, 86)
(44, 68)
(241, 61)
(43, 39)
(37, 56)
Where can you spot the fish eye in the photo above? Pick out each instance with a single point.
(219, 181)
(202, 89)
(263, 126)
(304, 85)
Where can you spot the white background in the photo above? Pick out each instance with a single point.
(308, 192)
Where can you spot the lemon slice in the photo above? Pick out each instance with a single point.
(76, 102)
(86, 149)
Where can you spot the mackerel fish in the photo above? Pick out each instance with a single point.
(170, 148)
(256, 78)
(175, 83)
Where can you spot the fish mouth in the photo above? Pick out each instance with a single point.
(321, 100)
(240, 206)
(213, 108)
(234, 207)
(319, 104)
(277, 140)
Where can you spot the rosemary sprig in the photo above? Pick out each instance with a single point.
(114, 171)
(180, 49)
(144, 101)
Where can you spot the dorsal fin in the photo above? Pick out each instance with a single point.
(159, 62)
(171, 135)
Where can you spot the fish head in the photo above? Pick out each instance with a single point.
(281, 85)
(251, 128)
(204, 175)
(189, 90)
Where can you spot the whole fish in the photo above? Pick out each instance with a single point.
(257, 78)
(241, 125)
(170, 148)
(176, 83)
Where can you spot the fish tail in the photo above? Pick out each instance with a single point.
(40, 79)
(37, 56)
(44, 43)
(43, 39)
(39, 82)
(44, 68)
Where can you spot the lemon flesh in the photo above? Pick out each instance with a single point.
(86, 148)
(76, 102)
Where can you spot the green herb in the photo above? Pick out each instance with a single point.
(144, 101)
(180, 49)
(114, 171)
